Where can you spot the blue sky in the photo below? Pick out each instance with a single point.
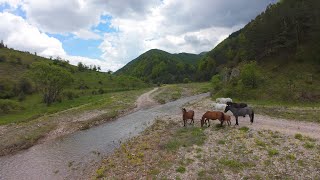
(112, 33)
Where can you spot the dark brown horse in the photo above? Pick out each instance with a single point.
(237, 105)
(187, 115)
(213, 115)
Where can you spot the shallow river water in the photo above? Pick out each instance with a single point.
(72, 156)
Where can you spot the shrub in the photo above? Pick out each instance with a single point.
(70, 95)
(21, 96)
(7, 88)
(3, 58)
(25, 86)
(101, 91)
(186, 80)
(250, 75)
(7, 106)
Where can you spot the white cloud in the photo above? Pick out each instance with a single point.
(62, 16)
(17, 33)
(87, 35)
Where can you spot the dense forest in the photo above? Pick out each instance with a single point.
(274, 57)
(157, 66)
(289, 29)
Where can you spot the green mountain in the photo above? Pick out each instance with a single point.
(283, 41)
(158, 66)
(287, 31)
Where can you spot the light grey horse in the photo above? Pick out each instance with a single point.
(240, 112)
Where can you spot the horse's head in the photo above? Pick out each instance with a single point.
(227, 109)
(202, 122)
(229, 103)
(184, 110)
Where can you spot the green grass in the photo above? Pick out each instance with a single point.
(34, 108)
(221, 142)
(186, 137)
(234, 164)
(181, 169)
(273, 152)
(291, 156)
(309, 145)
(298, 136)
(260, 143)
(244, 129)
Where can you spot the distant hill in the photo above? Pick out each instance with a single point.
(158, 66)
(288, 30)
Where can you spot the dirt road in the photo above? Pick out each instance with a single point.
(289, 127)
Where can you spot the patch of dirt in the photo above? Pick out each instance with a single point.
(145, 100)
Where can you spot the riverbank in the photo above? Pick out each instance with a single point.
(269, 148)
(16, 137)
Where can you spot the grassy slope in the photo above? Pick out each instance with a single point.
(87, 112)
(17, 64)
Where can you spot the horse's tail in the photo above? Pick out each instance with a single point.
(252, 116)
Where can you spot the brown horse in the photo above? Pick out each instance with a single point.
(213, 115)
(187, 115)
(227, 119)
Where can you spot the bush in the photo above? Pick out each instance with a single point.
(70, 95)
(186, 80)
(216, 82)
(250, 75)
(7, 89)
(21, 96)
(25, 86)
(101, 91)
(3, 58)
(7, 106)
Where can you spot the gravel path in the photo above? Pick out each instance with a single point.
(289, 127)
(145, 100)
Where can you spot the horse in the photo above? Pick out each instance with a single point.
(223, 100)
(187, 115)
(240, 112)
(213, 115)
(218, 106)
(227, 119)
(237, 105)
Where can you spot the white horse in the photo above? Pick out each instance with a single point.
(223, 100)
(218, 106)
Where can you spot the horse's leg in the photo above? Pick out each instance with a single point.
(209, 122)
(192, 120)
(237, 121)
(184, 123)
(221, 123)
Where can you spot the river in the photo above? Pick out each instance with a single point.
(75, 156)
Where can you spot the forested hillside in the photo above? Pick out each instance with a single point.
(274, 57)
(158, 66)
(287, 31)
